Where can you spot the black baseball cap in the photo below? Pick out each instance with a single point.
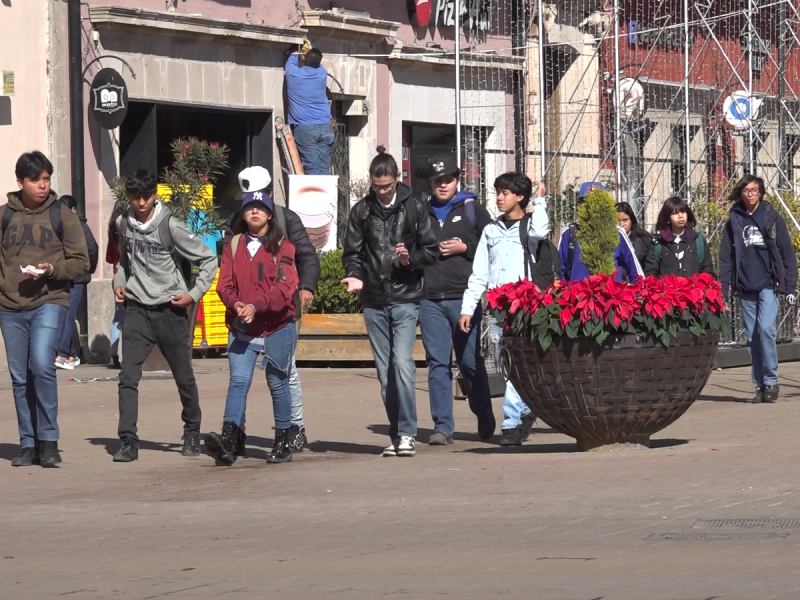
(443, 164)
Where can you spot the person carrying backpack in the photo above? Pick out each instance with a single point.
(43, 249)
(67, 357)
(457, 221)
(387, 246)
(153, 281)
(679, 249)
(512, 248)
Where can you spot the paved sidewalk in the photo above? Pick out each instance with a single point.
(467, 521)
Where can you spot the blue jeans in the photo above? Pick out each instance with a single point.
(68, 326)
(278, 350)
(392, 333)
(116, 327)
(314, 143)
(31, 337)
(297, 394)
(759, 312)
(513, 406)
(438, 322)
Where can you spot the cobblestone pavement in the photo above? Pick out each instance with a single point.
(471, 520)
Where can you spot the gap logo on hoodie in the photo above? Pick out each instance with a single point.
(27, 237)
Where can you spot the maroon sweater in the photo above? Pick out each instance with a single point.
(266, 281)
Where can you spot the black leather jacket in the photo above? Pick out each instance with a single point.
(373, 231)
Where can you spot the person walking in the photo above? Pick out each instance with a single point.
(504, 255)
(112, 258)
(678, 249)
(758, 265)
(457, 220)
(388, 244)
(43, 249)
(153, 281)
(67, 358)
(640, 238)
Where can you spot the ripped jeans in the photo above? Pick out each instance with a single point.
(243, 352)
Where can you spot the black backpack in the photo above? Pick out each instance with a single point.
(547, 267)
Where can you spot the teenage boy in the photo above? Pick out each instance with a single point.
(500, 259)
(457, 220)
(758, 264)
(569, 249)
(42, 250)
(67, 357)
(152, 282)
(388, 244)
(258, 179)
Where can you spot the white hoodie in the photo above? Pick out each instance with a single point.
(499, 258)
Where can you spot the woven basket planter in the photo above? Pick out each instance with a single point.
(620, 393)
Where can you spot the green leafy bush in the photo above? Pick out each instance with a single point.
(597, 232)
(332, 296)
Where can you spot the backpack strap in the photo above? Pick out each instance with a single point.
(165, 235)
(469, 207)
(235, 243)
(701, 248)
(524, 239)
(280, 217)
(54, 212)
(573, 234)
(8, 214)
(657, 251)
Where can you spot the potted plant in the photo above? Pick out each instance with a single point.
(603, 361)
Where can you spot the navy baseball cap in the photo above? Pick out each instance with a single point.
(589, 186)
(259, 197)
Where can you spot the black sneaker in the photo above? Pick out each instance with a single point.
(770, 393)
(128, 453)
(486, 425)
(759, 395)
(241, 450)
(114, 364)
(527, 425)
(48, 454)
(511, 437)
(191, 444)
(27, 457)
(297, 438)
(281, 451)
(222, 447)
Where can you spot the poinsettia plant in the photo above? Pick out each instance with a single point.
(599, 306)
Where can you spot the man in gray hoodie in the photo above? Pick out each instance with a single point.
(155, 289)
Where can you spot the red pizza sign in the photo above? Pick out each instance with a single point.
(424, 11)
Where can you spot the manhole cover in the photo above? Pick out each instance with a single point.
(712, 537)
(746, 524)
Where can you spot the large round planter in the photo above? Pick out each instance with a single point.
(619, 393)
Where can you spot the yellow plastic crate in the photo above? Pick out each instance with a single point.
(213, 317)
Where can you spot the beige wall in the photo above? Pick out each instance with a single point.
(23, 49)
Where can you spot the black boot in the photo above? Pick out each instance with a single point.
(296, 437)
(281, 451)
(222, 446)
(240, 448)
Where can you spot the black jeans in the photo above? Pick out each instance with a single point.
(166, 327)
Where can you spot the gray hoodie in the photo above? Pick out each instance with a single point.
(148, 272)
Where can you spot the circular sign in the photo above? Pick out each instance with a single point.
(740, 109)
(423, 12)
(109, 99)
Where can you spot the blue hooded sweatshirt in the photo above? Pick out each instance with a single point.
(442, 210)
(624, 256)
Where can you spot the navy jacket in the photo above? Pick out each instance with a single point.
(624, 259)
(783, 260)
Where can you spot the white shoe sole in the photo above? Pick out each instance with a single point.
(65, 366)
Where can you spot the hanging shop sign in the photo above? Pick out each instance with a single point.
(475, 14)
(109, 99)
(631, 96)
(423, 10)
(741, 109)
(7, 87)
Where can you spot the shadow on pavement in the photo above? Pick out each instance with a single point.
(8, 451)
(113, 444)
(315, 447)
(710, 398)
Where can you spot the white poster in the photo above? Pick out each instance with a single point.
(314, 199)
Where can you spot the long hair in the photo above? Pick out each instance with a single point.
(636, 229)
(671, 206)
(273, 238)
(736, 194)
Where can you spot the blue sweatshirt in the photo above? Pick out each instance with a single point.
(442, 210)
(305, 89)
(624, 256)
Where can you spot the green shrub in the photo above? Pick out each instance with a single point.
(332, 296)
(597, 232)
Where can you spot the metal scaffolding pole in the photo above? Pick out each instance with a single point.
(617, 107)
(542, 91)
(687, 112)
(783, 151)
(458, 84)
(750, 42)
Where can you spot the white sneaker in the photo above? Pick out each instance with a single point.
(406, 446)
(390, 450)
(63, 363)
(74, 361)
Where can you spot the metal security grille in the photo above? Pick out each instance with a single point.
(712, 537)
(746, 524)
